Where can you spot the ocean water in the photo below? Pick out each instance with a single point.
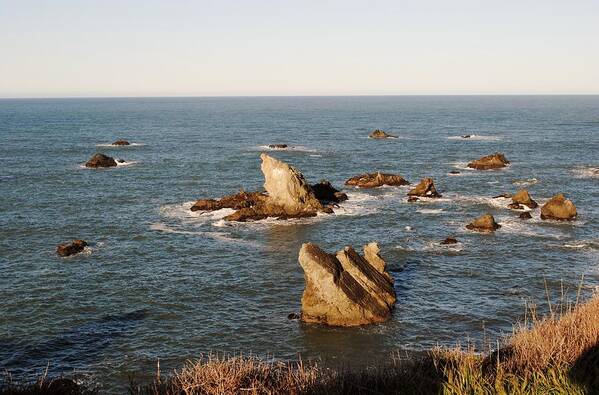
(161, 282)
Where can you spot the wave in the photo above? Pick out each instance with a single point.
(592, 244)
(429, 246)
(161, 227)
(292, 148)
(586, 172)
(475, 137)
(524, 182)
(430, 211)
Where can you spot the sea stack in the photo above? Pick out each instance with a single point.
(559, 208)
(489, 162)
(345, 289)
(378, 179)
(426, 188)
(100, 160)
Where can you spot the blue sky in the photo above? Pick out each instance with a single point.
(199, 48)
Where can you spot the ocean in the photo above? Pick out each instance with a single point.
(159, 282)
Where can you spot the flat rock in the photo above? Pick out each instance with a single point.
(380, 134)
(345, 289)
(489, 162)
(426, 188)
(74, 247)
(559, 208)
(378, 179)
(237, 201)
(100, 160)
(484, 223)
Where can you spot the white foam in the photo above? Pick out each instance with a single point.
(126, 163)
(586, 172)
(461, 166)
(475, 137)
(120, 146)
(499, 202)
(161, 227)
(592, 244)
(528, 181)
(430, 211)
(431, 246)
(293, 148)
(181, 211)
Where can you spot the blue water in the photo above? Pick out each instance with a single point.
(159, 281)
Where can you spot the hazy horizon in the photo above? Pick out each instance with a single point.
(207, 49)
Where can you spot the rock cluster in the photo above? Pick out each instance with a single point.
(72, 248)
(426, 188)
(373, 180)
(559, 208)
(485, 223)
(380, 134)
(495, 161)
(100, 160)
(288, 195)
(345, 289)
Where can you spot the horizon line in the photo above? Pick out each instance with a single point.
(290, 96)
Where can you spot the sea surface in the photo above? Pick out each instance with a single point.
(159, 282)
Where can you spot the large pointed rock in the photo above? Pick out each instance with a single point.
(522, 197)
(426, 188)
(494, 161)
(287, 187)
(559, 208)
(378, 179)
(484, 223)
(345, 289)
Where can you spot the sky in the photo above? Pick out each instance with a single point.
(81, 48)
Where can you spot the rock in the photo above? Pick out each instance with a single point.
(267, 210)
(325, 192)
(345, 289)
(450, 240)
(503, 195)
(515, 206)
(495, 161)
(454, 172)
(525, 215)
(485, 223)
(74, 247)
(380, 134)
(466, 136)
(522, 197)
(413, 199)
(373, 180)
(286, 186)
(559, 208)
(120, 160)
(100, 160)
(277, 146)
(293, 316)
(121, 142)
(426, 188)
(238, 201)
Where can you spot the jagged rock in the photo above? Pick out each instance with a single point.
(522, 197)
(238, 201)
(426, 188)
(100, 160)
(74, 247)
(485, 223)
(450, 240)
(277, 146)
(525, 215)
(373, 180)
(559, 208)
(325, 192)
(380, 134)
(345, 289)
(495, 161)
(121, 142)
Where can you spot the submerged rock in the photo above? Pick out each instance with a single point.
(100, 160)
(485, 223)
(72, 248)
(345, 289)
(466, 136)
(380, 134)
(523, 198)
(277, 146)
(378, 179)
(450, 240)
(454, 172)
(426, 188)
(525, 215)
(121, 142)
(495, 161)
(559, 208)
